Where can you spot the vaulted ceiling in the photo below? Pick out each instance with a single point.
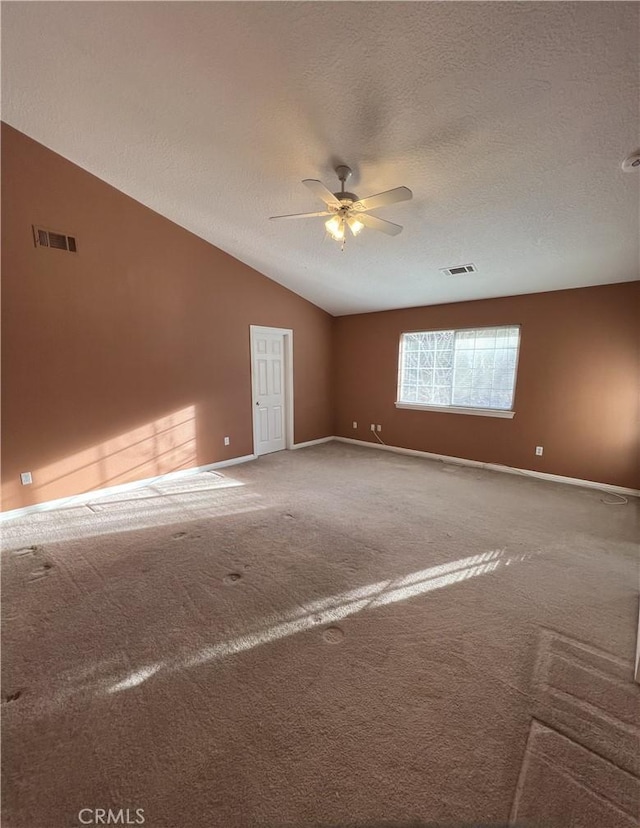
(509, 121)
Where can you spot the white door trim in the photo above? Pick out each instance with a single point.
(637, 670)
(287, 333)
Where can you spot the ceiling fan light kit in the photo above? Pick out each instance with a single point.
(346, 210)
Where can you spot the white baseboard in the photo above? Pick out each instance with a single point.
(460, 461)
(312, 442)
(88, 497)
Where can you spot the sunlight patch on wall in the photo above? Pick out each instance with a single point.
(158, 447)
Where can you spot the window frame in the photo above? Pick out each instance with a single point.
(505, 413)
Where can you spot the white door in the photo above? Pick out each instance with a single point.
(268, 377)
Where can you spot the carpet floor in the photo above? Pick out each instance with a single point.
(334, 636)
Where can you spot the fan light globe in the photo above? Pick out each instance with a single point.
(335, 228)
(355, 225)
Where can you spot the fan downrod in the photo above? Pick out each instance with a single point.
(344, 173)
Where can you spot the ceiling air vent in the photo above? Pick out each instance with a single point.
(458, 271)
(58, 241)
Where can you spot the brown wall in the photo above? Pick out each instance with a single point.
(576, 393)
(131, 358)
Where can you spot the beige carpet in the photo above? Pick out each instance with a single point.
(329, 637)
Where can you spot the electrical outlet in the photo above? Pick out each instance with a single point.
(226, 441)
(355, 425)
(539, 450)
(379, 428)
(26, 479)
(373, 427)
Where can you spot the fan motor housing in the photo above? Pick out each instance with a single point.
(352, 197)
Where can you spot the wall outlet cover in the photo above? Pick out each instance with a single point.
(26, 479)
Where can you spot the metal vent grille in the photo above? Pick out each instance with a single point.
(460, 270)
(57, 241)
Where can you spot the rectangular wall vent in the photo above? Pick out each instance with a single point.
(57, 241)
(458, 271)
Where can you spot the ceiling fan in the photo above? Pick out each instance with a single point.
(347, 210)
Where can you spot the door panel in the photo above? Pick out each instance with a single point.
(263, 368)
(277, 422)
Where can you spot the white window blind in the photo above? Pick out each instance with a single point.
(471, 368)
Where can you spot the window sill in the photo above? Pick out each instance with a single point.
(452, 409)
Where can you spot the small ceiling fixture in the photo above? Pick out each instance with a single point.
(347, 210)
(459, 270)
(632, 162)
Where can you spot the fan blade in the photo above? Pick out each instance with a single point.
(380, 224)
(318, 188)
(301, 215)
(382, 199)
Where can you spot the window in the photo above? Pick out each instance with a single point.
(471, 371)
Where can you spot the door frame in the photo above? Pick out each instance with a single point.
(287, 334)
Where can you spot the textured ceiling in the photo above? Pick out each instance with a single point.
(509, 121)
